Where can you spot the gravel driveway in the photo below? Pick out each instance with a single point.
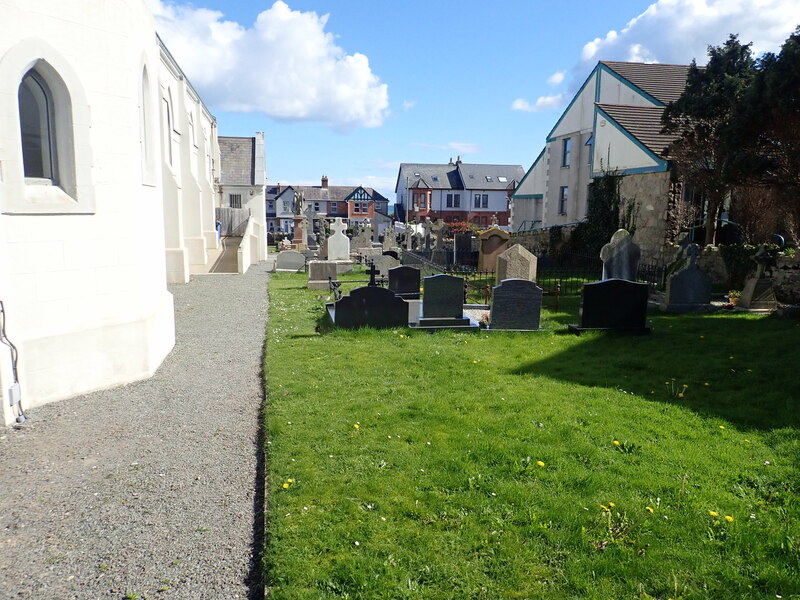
(154, 489)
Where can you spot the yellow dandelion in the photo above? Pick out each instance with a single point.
(539, 463)
(722, 426)
(290, 480)
(356, 426)
(474, 362)
(611, 504)
(649, 509)
(615, 442)
(286, 486)
(604, 507)
(702, 336)
(319, 358)
(747, 441)
(730, 357)
(713, 513)
(729, 518)
(706, 384)
(666, 383)
(680, 395)
(685, 385)
(672, 378)
(652, 391)
(402, 335)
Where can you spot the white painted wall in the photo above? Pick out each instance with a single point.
(615, 151)
(82, 271)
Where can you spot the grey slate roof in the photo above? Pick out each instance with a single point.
(459, 176)
(333, 193)
(237, 156)
(476, 177)
(643, 123)
(665, 83)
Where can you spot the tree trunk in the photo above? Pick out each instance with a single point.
(714, 203)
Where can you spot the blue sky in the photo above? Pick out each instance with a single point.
(354, 87)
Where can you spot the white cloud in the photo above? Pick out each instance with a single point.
(542, 103)
(676, 31)
(285, 65)
(556, 78)
(409, 104)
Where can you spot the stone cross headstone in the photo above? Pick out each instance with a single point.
(372, 272)
(620, 257)
(389, 238)
(437, 229)
(427, 226)
(516, 305)
(516, 263)
(338, 243)
(690, 288)
(323, 222)
(409, 238)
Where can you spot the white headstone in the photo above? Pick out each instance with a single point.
(338, 243)
(620, 257)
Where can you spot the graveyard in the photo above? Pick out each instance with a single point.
(468, 463)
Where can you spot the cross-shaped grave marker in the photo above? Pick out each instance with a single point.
(372, 272)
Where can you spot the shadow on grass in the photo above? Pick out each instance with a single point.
(737, 368)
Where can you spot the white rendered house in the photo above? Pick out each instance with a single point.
(613, 124)
(106, 167)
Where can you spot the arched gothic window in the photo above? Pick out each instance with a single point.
(38, 128)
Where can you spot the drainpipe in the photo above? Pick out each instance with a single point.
(14, 392)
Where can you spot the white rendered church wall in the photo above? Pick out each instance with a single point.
(85, 294)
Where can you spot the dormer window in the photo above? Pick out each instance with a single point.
(489, 178)
(502, 179)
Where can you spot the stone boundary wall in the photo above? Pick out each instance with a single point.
(786, 276)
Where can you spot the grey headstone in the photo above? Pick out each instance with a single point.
(389, 238)
(516, 263)
(443, 296)
(404, 281)
(383, 263)
(516, 304)
(290, 260)
(689, 289)
(620, 257)
(320, 272)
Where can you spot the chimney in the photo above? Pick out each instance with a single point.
(325, 181)
(278, 189)
(458, 160)
(451, 160)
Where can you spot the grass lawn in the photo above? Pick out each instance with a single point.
(473, 465)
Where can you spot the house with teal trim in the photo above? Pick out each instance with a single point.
(613, 124)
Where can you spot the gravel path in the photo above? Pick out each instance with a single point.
(154, 489)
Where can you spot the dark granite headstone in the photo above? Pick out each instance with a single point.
(404, 282)
(370, 306)
(443, 303)
(614, 304)
(463, 242)
(516, 305)
(689, 289)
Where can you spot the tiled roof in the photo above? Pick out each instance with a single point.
(237, 160)
(665, 83)
(643, 123)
